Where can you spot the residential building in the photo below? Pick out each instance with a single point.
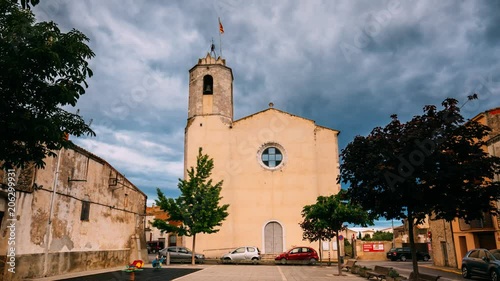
(155, 237)
(452, 240)
(77, 214)
(272, 162)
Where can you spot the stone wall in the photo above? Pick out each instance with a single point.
(362, 252)
(32, 265)
(76, 214)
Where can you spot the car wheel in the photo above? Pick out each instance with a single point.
(226, 260)
(403, 258)
(426, 258)
(283, 261)
(465, 272)
(313, 262)
(494, 275)
(255, 260)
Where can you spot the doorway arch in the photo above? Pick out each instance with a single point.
(273, 238)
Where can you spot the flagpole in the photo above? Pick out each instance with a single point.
(220, 44)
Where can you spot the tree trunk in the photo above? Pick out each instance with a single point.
(193, 261)
(320, 252)
(412, 244)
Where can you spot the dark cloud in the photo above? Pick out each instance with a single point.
(348, 65)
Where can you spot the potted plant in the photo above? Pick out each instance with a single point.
(355, 269)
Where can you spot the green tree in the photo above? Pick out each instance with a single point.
(43, 70)
(381, 236)
(197, 208)
(432, 165)
(325, 219)
(315, 229)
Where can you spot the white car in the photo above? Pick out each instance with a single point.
(242, 254)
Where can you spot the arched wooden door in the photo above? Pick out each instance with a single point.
(273, 238)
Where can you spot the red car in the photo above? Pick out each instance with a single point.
(298, 255)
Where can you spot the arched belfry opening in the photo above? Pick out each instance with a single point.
(211, 89)
(208, 85)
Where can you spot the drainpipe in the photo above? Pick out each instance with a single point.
(49, 222)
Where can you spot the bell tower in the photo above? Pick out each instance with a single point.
(211, 89)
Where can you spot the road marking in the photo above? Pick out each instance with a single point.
(281, 273)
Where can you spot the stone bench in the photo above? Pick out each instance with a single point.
(424, 277)
(348, 265)
(379, 272)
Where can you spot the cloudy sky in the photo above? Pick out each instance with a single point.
(346, 64)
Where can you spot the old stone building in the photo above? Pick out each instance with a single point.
(452, 240)
(76, 214)
(273, 163)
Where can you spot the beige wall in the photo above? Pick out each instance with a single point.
(257, 195)
(372, 255)
(50, 237)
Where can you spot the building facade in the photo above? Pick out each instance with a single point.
(273, 163)
(76, 214)
(155, 238)
(452, 240)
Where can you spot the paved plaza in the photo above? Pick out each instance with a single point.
(216, 272)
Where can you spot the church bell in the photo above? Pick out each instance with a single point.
(208, 89)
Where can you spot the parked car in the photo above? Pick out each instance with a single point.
(481, 262)
(404, 254)
(154, 246)
(181, 254)
(298, 255)
(242, 254)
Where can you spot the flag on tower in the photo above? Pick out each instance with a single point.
(221, 28)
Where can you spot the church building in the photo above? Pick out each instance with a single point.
(273, 163)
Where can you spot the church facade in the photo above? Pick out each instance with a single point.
(273, 163)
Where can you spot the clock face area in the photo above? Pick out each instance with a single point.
(271, 156)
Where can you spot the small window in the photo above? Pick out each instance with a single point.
(172, 240)
(84, 216)
(272, 157)
(208, 85)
